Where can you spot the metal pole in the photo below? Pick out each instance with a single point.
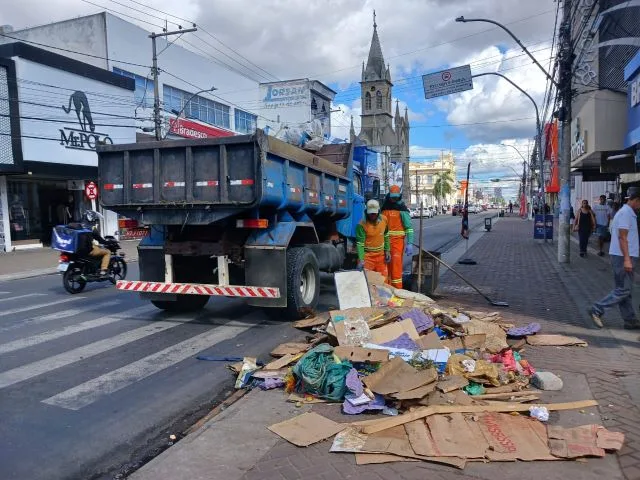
(156, 89)
(420, 251)
(539, 135)
(564, 140)
(524, 49)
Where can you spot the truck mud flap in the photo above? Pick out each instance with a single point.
(267, 266)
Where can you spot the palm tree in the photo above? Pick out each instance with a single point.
(443, 185)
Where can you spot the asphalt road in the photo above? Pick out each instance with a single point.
(92, 384)
(442, 231)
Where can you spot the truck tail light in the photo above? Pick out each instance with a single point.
(63, 258)
(252, 223)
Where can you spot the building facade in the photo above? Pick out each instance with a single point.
(56, 110)
(605, 36)
(294, 103)
(111, 43)
(380, 129)
(422, 179)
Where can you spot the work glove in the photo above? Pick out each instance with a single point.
(408, 250)
(360, 265)
(387, 257)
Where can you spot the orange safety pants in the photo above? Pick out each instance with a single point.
(374, 261)
(395, 267)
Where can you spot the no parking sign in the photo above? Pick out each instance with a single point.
(91, 190)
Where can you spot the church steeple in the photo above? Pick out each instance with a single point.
(375, 69)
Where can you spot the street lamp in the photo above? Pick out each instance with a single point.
(178, 113)
(538, 126)
(524, 178)
(461, 19)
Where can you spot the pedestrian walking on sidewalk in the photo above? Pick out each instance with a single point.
(603, 215)
(585, 225)
(624, 251)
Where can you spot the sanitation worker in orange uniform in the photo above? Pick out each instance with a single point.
(400, 233)
(372, 240)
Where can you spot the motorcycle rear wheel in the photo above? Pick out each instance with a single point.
(72, 280)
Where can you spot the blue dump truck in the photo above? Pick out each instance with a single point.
(245, 216)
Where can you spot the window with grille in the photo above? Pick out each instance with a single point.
(196, 107)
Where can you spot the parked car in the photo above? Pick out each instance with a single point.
(414, 212)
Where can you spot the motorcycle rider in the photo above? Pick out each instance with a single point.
(93, 249)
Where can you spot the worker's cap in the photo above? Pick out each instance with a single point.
(394, 191)
(373, 206)
(632, 192)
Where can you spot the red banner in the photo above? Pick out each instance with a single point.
(188, 129)
(551, 154)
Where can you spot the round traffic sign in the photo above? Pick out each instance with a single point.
(91, 190)
(446, 76)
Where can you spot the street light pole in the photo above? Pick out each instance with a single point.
(525, 164)
(539, 135)
(517, 40)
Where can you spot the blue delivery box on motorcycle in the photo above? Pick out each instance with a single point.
(70, 240)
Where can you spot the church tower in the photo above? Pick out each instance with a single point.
(376, 86)
(379, 128)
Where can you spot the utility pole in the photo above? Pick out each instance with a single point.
(564, 116)
(157, 121)
(417, 190)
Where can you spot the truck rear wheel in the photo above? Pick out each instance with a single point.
(303, 282)
(184, 303)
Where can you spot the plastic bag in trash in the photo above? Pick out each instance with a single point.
(541, 413)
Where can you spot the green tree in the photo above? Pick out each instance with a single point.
(443, 185)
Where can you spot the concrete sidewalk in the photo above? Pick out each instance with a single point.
(44, 261)
(236, 444)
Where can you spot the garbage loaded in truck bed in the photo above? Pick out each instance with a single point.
(246, 216)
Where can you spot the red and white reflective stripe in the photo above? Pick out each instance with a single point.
(142, 185)
(246, 181)
(327, 197)
(295, 190)
(174, 184)
(313, 194)
(208, 183)
(113, 186)
(342, 202)
(198, 289)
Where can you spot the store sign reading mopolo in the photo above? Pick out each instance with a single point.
(85, 136)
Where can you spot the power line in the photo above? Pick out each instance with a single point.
(71, 51)
(207, 33)
(52, 120)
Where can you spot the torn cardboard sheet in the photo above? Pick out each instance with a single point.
(358, 354)
(496, 337)
(556, 341)
(397, 375)
(317, 321)
(352, 289)
(453, 436)
(513, 437)
(416, 393)
(396, 442)
(282, 362)
(449, 384)
(583, 441)
(289, 348)
(430, 341)
(306, 429)
(392, 331)
(377, 458)
(351, 327)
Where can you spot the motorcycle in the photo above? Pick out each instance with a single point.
(78, 270)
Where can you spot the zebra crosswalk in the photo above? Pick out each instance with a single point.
(33, 324)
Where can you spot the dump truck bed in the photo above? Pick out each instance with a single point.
(201, 181)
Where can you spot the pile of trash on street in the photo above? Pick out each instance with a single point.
(442, 385)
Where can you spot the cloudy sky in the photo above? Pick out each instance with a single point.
(328, 40)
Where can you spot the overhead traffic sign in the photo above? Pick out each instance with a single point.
(446, 82)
